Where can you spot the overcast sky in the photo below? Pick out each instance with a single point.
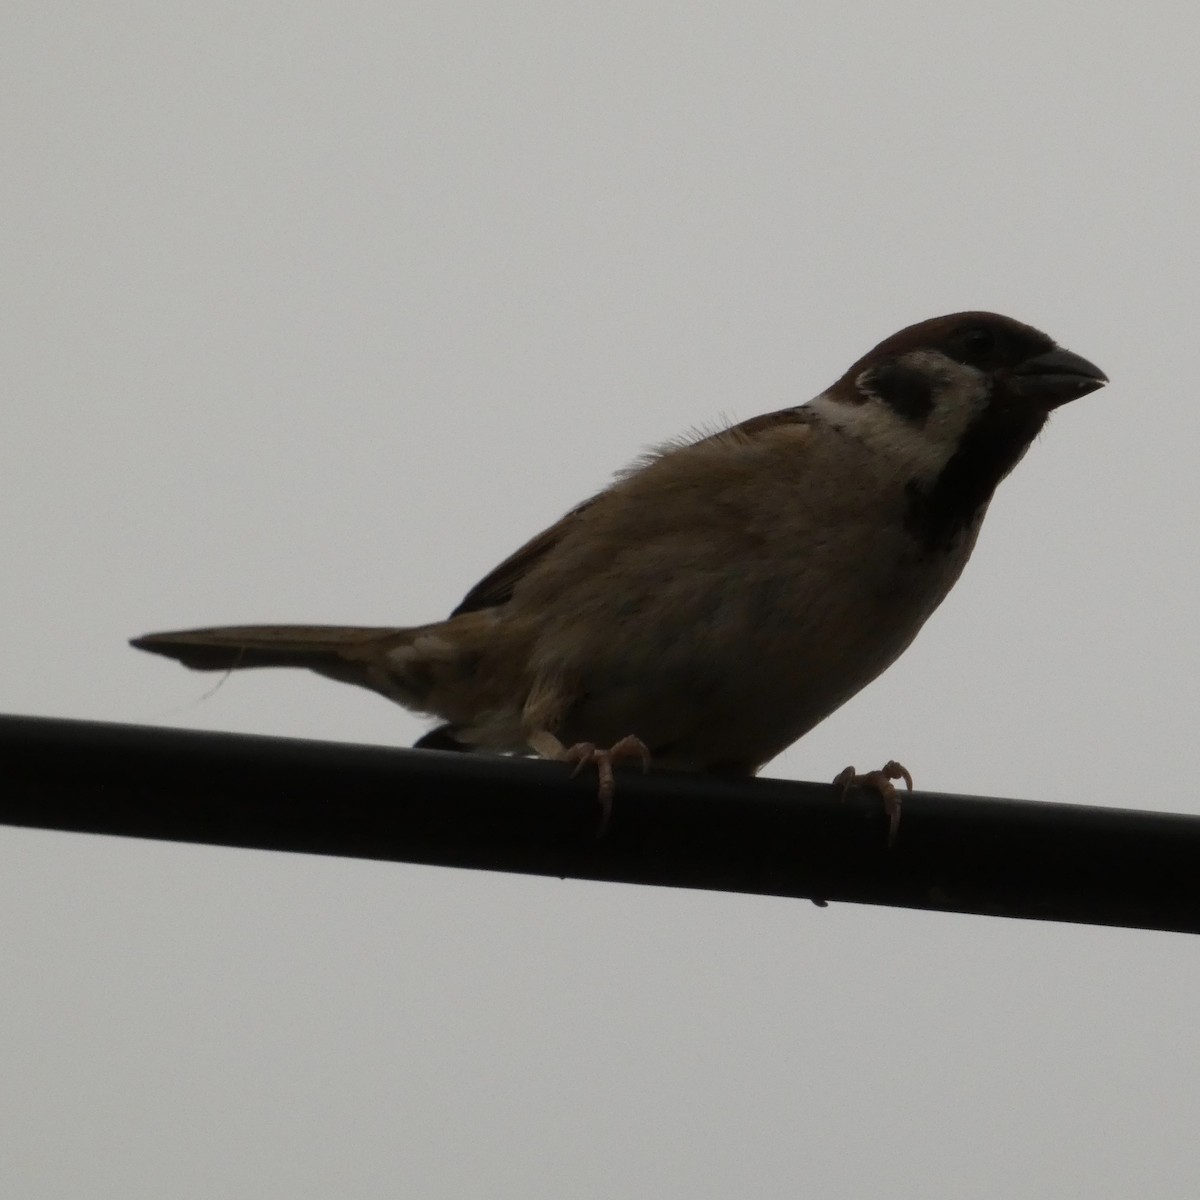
(313, 312)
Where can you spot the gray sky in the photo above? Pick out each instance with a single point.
(314, 312)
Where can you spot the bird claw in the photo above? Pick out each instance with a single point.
(880, 782)
(584, 754)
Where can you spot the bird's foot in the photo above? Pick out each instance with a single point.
(584, 754)
(880, 781)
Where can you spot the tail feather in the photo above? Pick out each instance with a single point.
(432, 669)
(337, 650)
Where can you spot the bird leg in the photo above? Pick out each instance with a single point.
(881, 782)
(584, 754)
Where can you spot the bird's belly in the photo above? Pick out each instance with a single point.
(746, 666)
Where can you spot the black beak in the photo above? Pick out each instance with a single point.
(1057, 376)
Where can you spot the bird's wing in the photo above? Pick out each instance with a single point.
(497, 586)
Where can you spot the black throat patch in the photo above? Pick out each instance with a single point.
(991, 446)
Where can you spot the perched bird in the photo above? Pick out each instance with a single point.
(725, 594)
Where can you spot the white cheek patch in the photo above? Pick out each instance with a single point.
(960, 394)
(886, 432)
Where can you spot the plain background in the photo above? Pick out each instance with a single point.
(313, 312)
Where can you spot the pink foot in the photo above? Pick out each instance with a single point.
(584, 754)
(880, 781)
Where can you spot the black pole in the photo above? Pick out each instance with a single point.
(1012, 858)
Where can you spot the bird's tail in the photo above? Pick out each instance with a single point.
(231, 646)
(350, 654)
(436, 669)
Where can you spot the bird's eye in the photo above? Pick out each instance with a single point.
(977, 341)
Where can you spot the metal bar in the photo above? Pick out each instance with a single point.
(1014, 858)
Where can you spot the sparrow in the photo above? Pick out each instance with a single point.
(727, 592)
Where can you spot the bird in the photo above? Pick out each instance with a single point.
(729, 590)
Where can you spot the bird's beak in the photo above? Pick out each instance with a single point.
(1054, 378)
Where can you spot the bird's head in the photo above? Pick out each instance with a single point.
(955, 401)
